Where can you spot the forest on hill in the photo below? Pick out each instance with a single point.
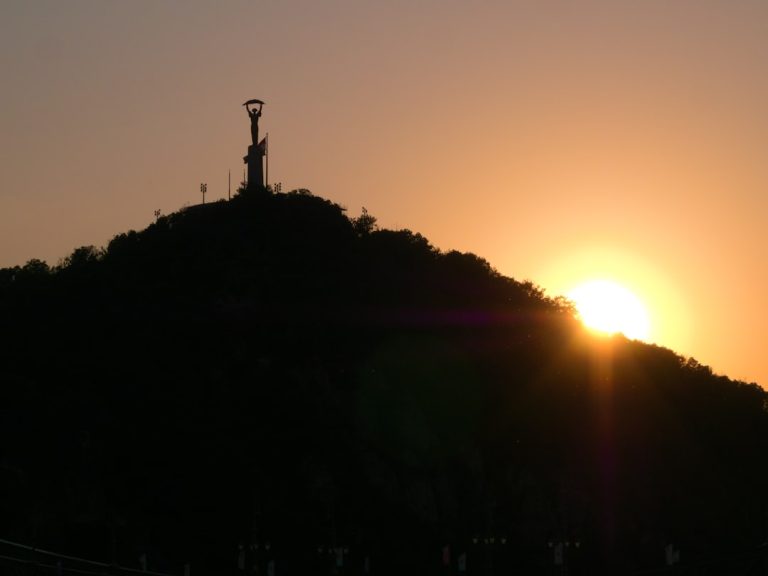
(335, 398)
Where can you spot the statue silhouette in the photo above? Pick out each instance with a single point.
(254, 114)
(257, 150)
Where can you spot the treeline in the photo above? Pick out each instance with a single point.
(269, 370)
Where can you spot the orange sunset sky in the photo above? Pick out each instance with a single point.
(560, 140)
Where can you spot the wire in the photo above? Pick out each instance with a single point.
(74, 559)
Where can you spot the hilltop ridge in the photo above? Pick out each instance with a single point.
(270, 370)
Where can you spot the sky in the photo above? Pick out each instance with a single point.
(561, 140)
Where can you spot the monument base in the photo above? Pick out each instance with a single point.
(255, 161)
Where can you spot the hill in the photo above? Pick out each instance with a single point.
(270, 373)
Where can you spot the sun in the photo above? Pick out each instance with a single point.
(609, 308)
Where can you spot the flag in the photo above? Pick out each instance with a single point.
(262, 148)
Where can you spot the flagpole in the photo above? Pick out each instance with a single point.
(266, 153)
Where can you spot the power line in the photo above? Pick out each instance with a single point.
(72, 559)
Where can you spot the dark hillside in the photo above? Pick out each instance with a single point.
(267, 370)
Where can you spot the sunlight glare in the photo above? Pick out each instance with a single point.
(609, 308)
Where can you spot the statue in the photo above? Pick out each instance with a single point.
(254, 114)
(257, 150)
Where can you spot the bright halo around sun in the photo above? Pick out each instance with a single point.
(607, 307)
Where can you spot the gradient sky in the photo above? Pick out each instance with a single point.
(561, 140)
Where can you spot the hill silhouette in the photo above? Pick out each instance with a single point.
(270, 373)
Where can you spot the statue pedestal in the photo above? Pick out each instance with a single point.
(255, 161)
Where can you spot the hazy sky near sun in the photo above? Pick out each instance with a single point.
(562, 140)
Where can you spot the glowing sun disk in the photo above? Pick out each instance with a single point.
(607, 307)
